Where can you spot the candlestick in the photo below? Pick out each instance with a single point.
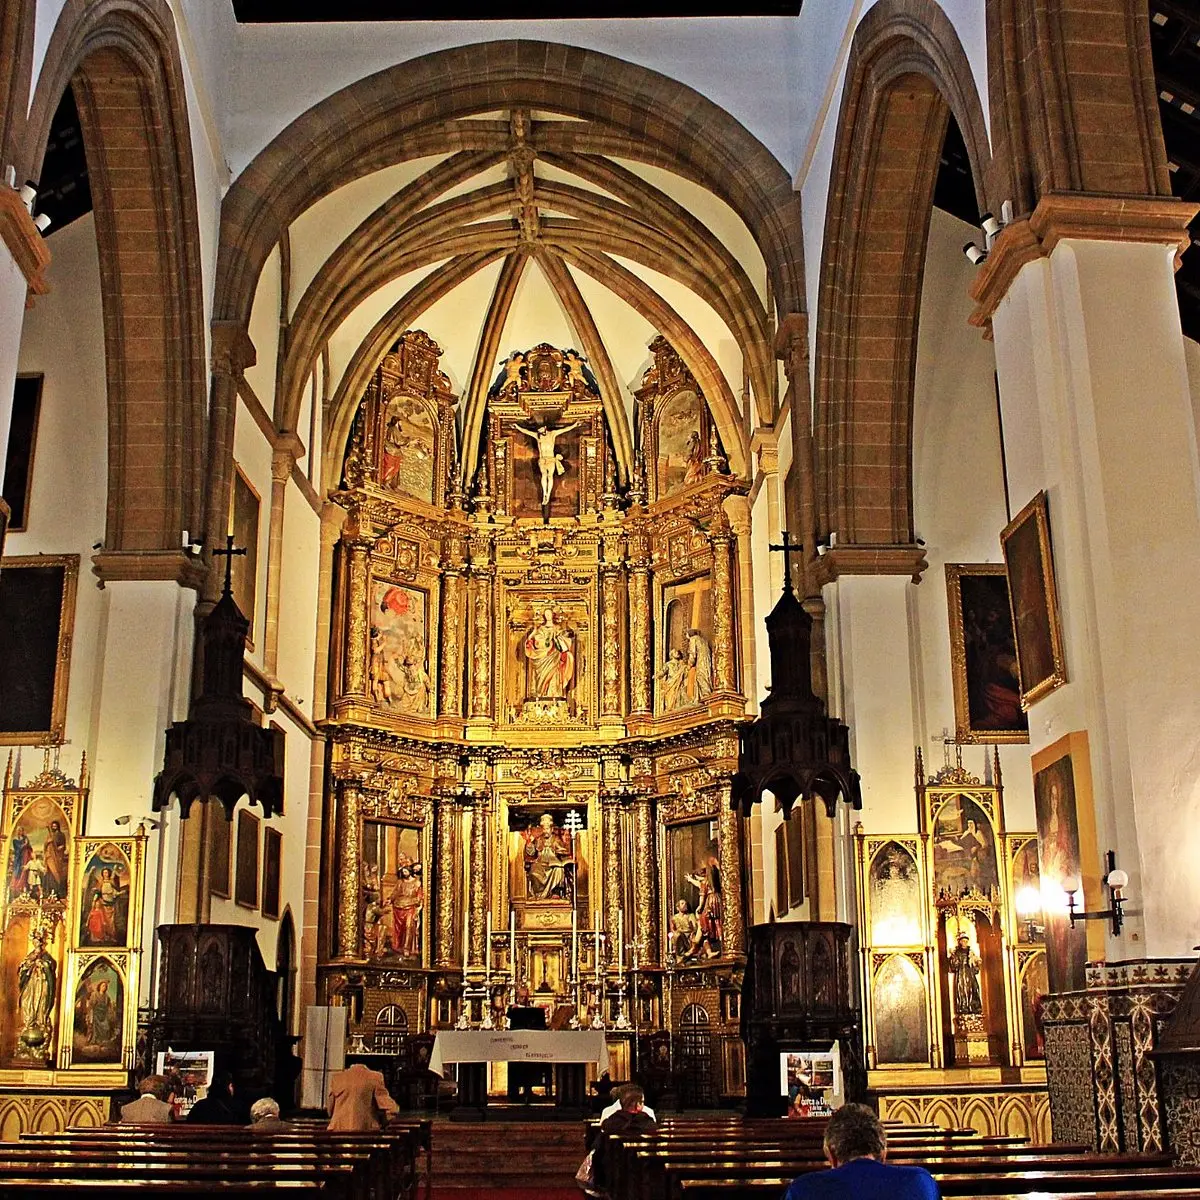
(487, 954)
(620, 940)
(466, 936)
(512, 945)
(574, 944)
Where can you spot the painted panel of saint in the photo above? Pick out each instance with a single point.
(400, 679)
(1059, 854)
(685, 679)
(393, 887)
(104, 911)
(1034, 986)
(680, 443)
(901, 1026)
(406, 448)
(697, 902)
(99, 1014)
(895, 898)
(39, 857)
(549, 848)
(1027, 894)
(964, 850)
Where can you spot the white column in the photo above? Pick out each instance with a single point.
(1097, 410)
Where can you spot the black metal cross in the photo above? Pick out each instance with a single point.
(787, 549)
(229, 552)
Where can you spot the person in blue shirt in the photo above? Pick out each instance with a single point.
(856, 1146)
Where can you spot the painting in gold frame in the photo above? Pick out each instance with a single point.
(220, 850)
(245, 504)
(272, 879)
(37, 618)
(1029, 564)
(983, 655)
(245, 882)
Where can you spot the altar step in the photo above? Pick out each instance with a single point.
(493, 1155)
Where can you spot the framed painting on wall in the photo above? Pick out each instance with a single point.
(220, 850)
(22, 440)
(272, 877)
(245, 883)
(983, 655)
(37, 617)
(244, 507)
(1029, 564)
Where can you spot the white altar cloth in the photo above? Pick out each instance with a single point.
(519, 1045)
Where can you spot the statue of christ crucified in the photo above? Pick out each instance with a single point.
(549, 463)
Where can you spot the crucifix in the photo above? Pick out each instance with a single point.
(229, 552)
(786, 549)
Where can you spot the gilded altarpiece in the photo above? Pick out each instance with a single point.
(953, 956)
(517, 795)
(70, 954)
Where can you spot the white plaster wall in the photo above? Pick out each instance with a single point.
(1191, 354)
(12, 314)
(264, 332)
(299, 583)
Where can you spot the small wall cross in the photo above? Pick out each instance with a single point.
(229, 551)
(787, 549)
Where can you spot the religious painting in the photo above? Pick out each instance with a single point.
(407, 447)
(220, 850)
(684, 678)
(37, 617)
(39, 854)
(1034, 986)
(1026, 891)
(245, 507)
(394, 892)
(18, 458)
(681, 446)
(245, 880)
(898, 1003)
(99, 1014)
(782, 900)
(545, 467)
(399, 649)
(272, 872)
(696, 900)
(549, 844)
(894, 892)
(983, 656)
(964, 850)
(794, 837)
(1059, 855)
(1033, 597)
(107, 882)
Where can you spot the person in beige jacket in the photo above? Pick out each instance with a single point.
(359, 1100)
(153, 1106)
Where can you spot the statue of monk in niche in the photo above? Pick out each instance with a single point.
(964, 966)
(548, 861)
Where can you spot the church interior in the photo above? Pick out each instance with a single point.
(690, 518)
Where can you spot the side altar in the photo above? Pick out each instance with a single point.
(537, 645)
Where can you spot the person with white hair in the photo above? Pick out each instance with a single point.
(264, 1117)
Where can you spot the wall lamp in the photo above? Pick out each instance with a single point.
(991, 227)
(1116, 881)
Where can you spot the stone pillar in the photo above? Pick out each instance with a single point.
(644, 921)
(729, 846)
(610, 643)
(356, 616)
(446, 822)
(481, 648)
(349, 858)
(641, 652)
(478, 905)
(724, 660)
(451, 673)
(287, 450)
(613, 890)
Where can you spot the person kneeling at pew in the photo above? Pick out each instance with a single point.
(220, 1106)
(856, 1146)
(264, 1117)
(154, 1104)
(631, 1121)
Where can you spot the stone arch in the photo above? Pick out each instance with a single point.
(121, 58)
(636, 113)
(907, 72)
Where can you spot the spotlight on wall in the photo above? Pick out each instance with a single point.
(43, 222)
(991, 227)
(975, 254)
(10, 176)
(123, 819)
(28, 196)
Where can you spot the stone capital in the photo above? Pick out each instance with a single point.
(869, 560)
(232, 349)
(165, 566)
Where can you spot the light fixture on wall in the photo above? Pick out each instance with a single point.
(975, 254)
(991, 226)
(1029, 908)
(1116, 881)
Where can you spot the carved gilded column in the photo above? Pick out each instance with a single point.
(444, 830)
(478, 882)
(610, 642)
(641, 664)
(645, 883)
(451, 630)
(349, 885)
(481, 656)
(613, 892)
(729, 845)
(356, 617)
(723, 649)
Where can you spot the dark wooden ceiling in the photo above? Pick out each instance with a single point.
(275, 11)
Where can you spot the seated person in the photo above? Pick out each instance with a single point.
(154, 1103)
(220, 1106)
(631, 1120)
(615, 1106)
(264, 1117)
(359, 1101)
(856, 1146)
